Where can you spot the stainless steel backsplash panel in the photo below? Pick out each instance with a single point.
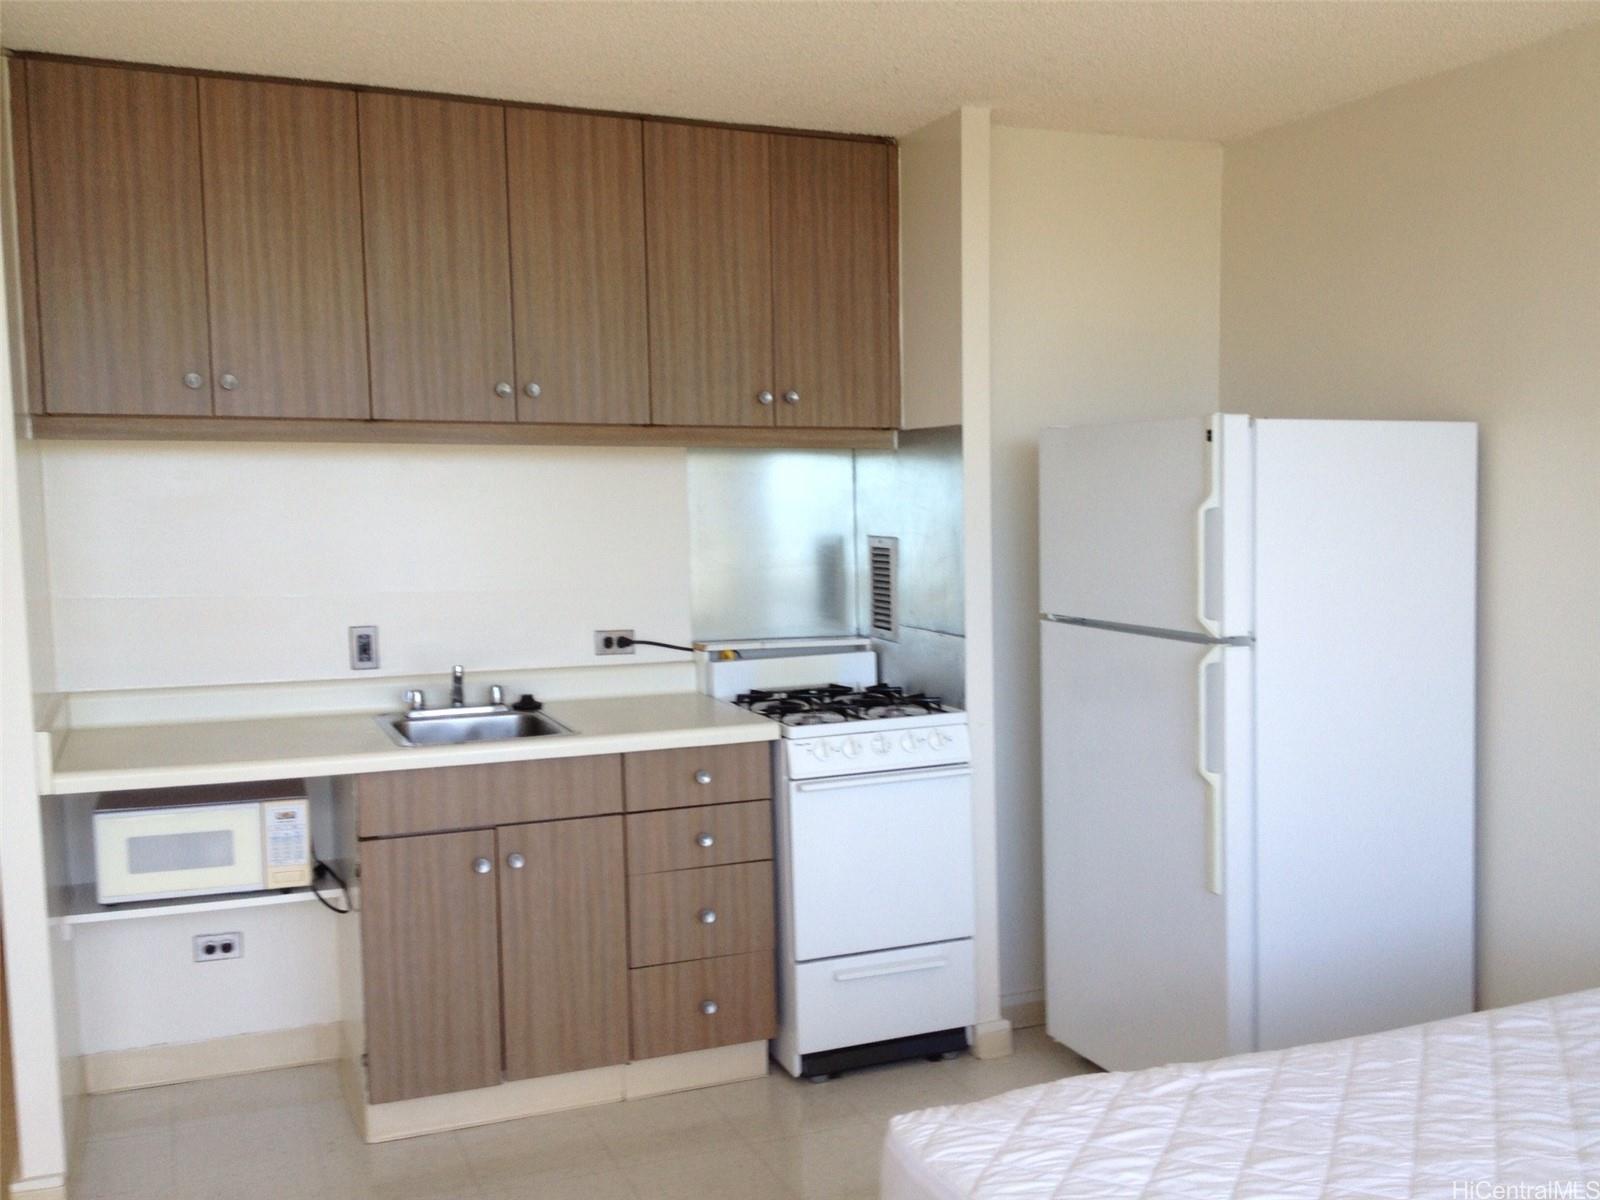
(923, 661)
(772, 534)
(914, 494)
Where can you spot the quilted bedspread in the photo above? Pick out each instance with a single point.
(1498, 1105)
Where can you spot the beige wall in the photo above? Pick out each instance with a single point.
(1434, 252)
(1103, 294)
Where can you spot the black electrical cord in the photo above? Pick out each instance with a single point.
(317, 872)
(625, 642)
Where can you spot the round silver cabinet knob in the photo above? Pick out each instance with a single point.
(705, 841)
(229, 382)
(708, 916)
(534, 390)
(791, 397)
(193, 380)
(709, 1007)
(482, 866)
(503, 389)
(764, 397)
(516, 862)
(702, 777)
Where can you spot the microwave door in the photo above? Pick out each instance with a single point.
(193, 850)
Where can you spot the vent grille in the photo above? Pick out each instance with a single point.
(883, 568)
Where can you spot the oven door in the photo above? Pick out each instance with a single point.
(874, 862)
(188, 850)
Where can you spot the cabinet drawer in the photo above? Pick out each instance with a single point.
(699, 775)
(707, 913)
(442, 798)
(670, 1004)
(680, 838)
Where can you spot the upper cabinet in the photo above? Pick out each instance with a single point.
(772, 292)
(225, 248)
(578, 267)
(834, 330)
(433, 176)
(283, 250)
(709, 221)
(119, 237)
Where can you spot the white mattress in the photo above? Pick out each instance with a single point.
(1446, 1110)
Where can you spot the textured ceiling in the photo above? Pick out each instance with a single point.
(1217, 70)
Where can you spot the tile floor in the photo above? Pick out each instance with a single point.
(285, 1135)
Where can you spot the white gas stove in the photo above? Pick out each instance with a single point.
(873, 812)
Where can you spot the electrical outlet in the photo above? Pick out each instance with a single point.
(363, 647)
(209, 947)
(605, 641)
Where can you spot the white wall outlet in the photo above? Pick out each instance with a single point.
(605, 641)
(363, 647)
(209, 947)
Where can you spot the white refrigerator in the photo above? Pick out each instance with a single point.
(1258, 675)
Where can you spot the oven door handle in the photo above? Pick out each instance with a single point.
(851, 781)
(899, 968)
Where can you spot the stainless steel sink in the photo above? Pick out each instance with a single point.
(457, 726)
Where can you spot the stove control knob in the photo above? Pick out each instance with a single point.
(880, 744)
(852, 748)
(939, 738)
(908, 742)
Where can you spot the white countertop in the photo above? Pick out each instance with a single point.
(117, 758)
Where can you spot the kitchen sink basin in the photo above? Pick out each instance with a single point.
(457, 726)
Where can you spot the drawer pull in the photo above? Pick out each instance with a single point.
(900, 968)
(702, 777)
(707, 916)
(482, 866)
(708, 1007)
(705, 841)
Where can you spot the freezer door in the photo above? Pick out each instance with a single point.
(1146, 834)
(1148, 524)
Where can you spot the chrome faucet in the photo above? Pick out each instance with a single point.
(457, 697)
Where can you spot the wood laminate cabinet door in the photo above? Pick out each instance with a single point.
(433, 175)
(563, 946)
(115, 155)
(32, 399)
(430, 960)
(835, 349)
(578, 267)
(283, 250)
(708, 229)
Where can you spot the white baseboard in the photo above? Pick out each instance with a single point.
(992, 1039)
(551, 1093)
(1023, 1009)
(151, 1066)
(41, 1187)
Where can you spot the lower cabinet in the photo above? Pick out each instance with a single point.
(697, 1005)
(430, 958)
(493, 954)
(563, 946)
(515, 923)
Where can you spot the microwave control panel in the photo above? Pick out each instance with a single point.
(286, 831)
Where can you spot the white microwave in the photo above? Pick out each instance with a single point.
(159, 844)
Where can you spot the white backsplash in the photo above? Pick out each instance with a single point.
(193, 566)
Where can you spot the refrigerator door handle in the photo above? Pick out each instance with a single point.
(1213, 778)
(1210, 510)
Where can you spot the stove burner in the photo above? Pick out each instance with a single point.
(835, 703)
(820, 717)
